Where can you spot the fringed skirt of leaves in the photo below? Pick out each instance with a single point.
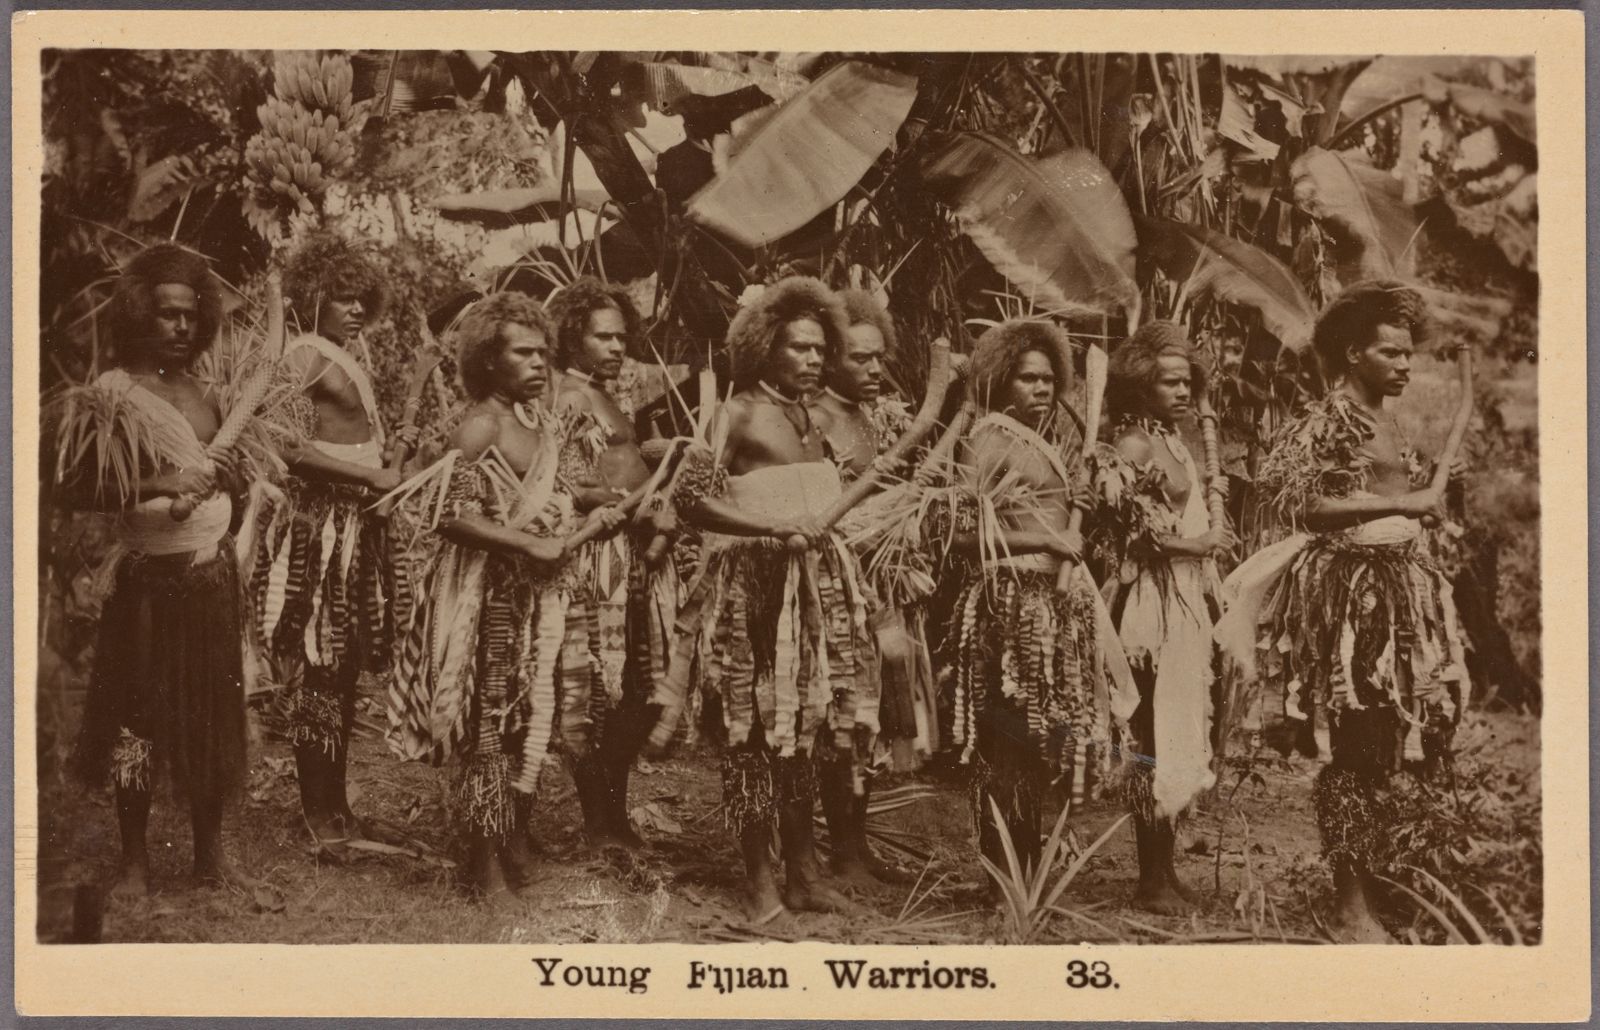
(1016, 642)
(326, 588)
(168, 685)
(1355, 625)
(780, 638)
(488, 673)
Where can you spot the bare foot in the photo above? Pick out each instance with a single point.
(131, 882)
(218, 871)
(1355, 924)
(325, 829)
(517, 858)
(813, 895)
(852, 873)
(762, 904)
(610, 837)
(1182, 889)
(1162, 898)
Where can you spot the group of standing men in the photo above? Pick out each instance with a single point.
(1072, 605)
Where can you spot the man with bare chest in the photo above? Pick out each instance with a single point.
(1031, 657)
(781, 637)
(860, 424)
(167, 690)
(633, 606)
(323, 581)
(1151, 534)
(1349, 618)
(477, 673)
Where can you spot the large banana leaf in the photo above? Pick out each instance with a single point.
(1374, 228)
(1057, 228)
(1209, 262)
(805, 157)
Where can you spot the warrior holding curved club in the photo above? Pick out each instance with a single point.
(1039, 675)
(324, 580)
(1151, 534)
(623, 609)
(479, 672)
(1350, 616)
(149, 442)
(781, 636)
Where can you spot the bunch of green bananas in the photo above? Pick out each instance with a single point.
(316, 83)
(319, 135)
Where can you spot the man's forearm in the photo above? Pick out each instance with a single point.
(483, 535)
(1333, 513)
(721, 517)
(308, 462)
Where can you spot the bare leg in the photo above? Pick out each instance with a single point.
(485, 878)
(762, 902)
(881, 870)
(1353, 921)
(516, 853)
(344, 682)
(835, 788)
(804, 888)
(211, 863)
(133, 820)
(1159, 890)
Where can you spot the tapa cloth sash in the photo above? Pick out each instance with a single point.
(148, 526)
(348, 364)
(1170, 623)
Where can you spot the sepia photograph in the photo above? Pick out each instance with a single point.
(850, 497)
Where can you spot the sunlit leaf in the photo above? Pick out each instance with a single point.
(1058, 229)
(807, 155)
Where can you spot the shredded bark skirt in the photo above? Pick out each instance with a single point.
(326, 587)
(168, 684)
(779, 637)
(1356, 625)
(1016, 641)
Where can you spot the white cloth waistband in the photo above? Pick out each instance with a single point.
(149, 528)
(366, 454)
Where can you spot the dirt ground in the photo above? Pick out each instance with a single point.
(1252, 854)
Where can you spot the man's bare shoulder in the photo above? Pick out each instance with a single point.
(478, 430)
(1133, 445)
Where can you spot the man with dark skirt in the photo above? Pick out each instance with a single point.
(629, 606)
(860, 423)
(780, 636)
(1151, 536)
(167, 690)
(479, 674)
(323, 583)
(1349, 618)
(1038, 673)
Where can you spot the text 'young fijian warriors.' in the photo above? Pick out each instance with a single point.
(621, 611)
(1037, 667)
(323, 583)
(781, 637)
(1151, 535)
(167, 688)
(478, 674)
(860, 424)
(1349, 615)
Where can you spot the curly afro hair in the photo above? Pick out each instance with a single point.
(570, 307)
(132, 308)
(1136, 364)
(326, 265)
(863, 308)
(1001, 347)
(1352, 320)
(757, 326)
(477, 338)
